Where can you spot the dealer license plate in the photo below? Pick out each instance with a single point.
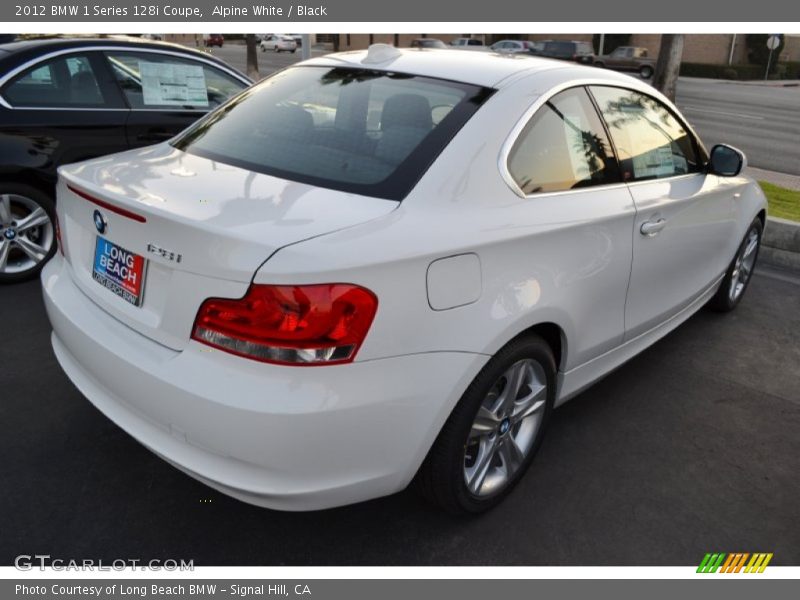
(119, 270)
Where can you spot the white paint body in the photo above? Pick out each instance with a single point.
(460, 267)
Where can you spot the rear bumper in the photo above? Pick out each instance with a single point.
(290, 438)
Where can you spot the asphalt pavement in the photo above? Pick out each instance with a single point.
(691, 447)
(761, 120)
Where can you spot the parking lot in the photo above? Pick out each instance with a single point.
(689, 448)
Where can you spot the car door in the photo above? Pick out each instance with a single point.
(62, 109)
(563, 164)
(166, 93)
(685, 219)
(616, 59)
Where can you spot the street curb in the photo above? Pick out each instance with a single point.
(781, 244)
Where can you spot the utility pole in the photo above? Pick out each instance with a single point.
(668, 65)
(252, 56)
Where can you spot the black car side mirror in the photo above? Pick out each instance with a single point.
(726, 161)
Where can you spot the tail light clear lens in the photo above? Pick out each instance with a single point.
(289, 324)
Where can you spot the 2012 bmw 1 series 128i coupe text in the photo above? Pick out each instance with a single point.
(385, 266)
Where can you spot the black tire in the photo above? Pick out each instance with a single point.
(45, 202)
(724, 300)
(441, 478)
(646, 72)
(599, 64)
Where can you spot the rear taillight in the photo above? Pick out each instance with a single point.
(289, 324)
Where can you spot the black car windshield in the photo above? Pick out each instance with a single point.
(356, 130)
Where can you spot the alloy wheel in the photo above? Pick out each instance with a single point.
(743, 267)
(26, 234)
(505, 428)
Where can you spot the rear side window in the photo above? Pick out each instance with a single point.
(64, 81)
(651, 142)
(153, 80)
(563, 147)
(356, 130)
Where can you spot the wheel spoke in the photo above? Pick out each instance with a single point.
(510, 454)
(485, 422)
(515, 378)
(5, 248)
(483, 462)
(751, 246)
(5, 209)
(33, 250)
(36, 218)
(530, 404)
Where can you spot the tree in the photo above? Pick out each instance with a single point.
(668, 65)
(252, 56)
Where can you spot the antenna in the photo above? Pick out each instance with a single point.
(379, 53)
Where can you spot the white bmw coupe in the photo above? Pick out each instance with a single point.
(385, 266)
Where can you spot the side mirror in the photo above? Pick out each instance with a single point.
(726, 161)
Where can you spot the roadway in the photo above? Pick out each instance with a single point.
(762, 120)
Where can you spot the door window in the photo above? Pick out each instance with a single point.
(563, 147)
(63, 81)
(650, 141)
(154, 80)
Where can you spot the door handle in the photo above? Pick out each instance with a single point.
(651, 228)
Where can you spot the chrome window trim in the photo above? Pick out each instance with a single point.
(516, 131)
(44, 57)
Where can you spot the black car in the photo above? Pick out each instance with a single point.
(581, 52)
(64, 100)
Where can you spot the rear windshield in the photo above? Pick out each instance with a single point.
(355, 130)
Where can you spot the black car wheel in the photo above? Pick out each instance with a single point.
(27, 232)
(493, 433)
(646, 72)
(737, 277)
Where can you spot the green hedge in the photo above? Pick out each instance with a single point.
(784, 70)
(722, 71)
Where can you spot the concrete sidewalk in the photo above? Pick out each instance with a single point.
(786, 180)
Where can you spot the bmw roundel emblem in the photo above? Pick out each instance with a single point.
(100, 222)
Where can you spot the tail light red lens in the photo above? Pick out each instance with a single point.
(290, 324)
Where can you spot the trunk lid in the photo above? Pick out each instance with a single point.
(202, 227)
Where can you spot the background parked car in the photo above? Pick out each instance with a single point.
(278, 43)
(628, 58)
(466, 42)
(581, 52)
(513, 46)
(427, 43)
(64, 100)
(215, 39)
